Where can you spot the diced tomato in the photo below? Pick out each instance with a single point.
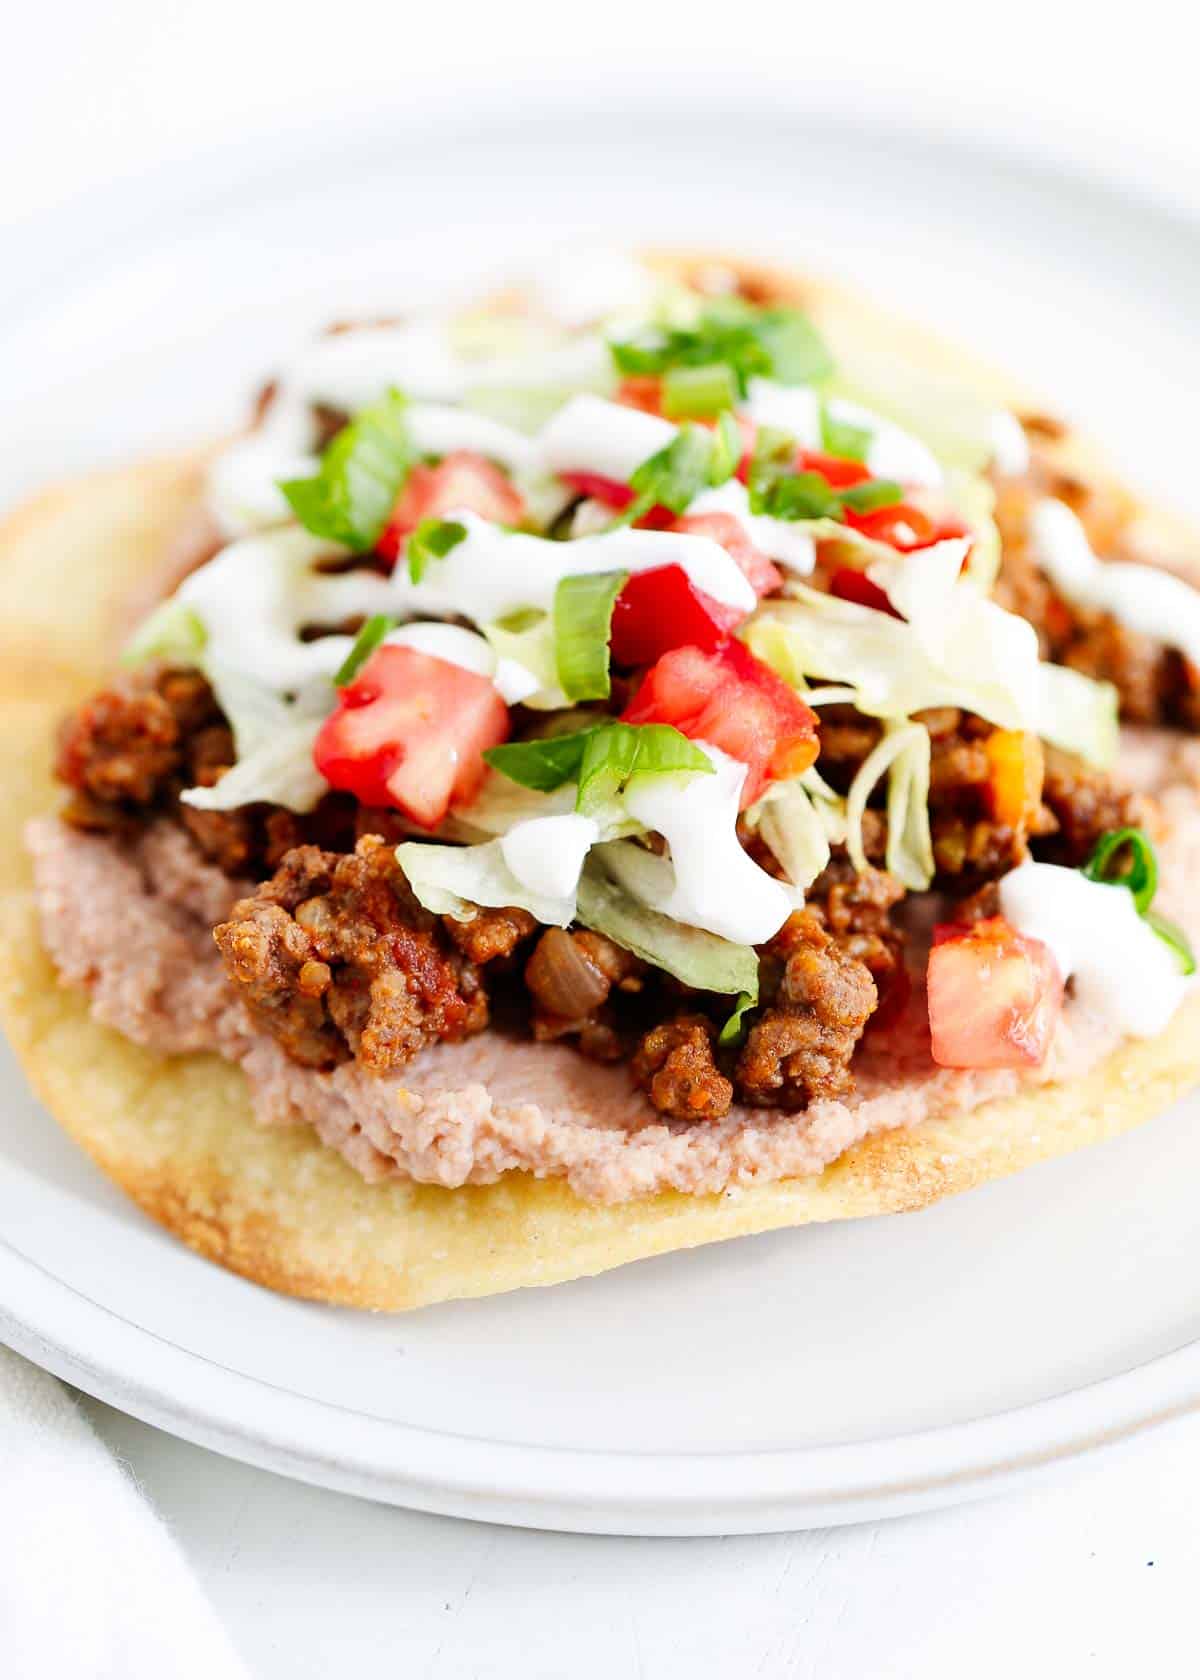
(641, 390)
(1016, 769)
(904, 527)
(662, 609)
(849, 584)
(610, 491)
(995, 996)
(733, 701)
(729, 531)
(840, 473)
(410, 731)
(460, 480)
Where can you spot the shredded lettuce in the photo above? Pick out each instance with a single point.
(702, 960)
(531, 644)
(173, 631)
(903, 755)
(953, 418)
(974, 500)
(273, 739)
(799, 820)
(953, 647)
(455, 880)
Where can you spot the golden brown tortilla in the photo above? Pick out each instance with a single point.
(278, 1206)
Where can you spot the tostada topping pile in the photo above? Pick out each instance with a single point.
(630, 677)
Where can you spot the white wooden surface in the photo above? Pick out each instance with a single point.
(1093, 1574)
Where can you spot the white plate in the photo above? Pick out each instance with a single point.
(802, 1378)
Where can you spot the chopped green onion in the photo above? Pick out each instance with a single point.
(1139, 873)
(871, 494)
(432, 540)
(583, 609)
(1175, 939)
(725, 450)
(618, 751)
(736, 1027)
(693, 393)
(365, 643)
(694, 459)
(360, 476)
(841, 438)
(748, 341)
(804, 495)
(600, 760)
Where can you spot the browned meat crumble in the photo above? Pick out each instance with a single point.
(820, 999)
(336, 959)
(1156, 684)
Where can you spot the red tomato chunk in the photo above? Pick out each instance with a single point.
(995, 996)
(733, 701)
(410, 731)
(662, 609)
(462, 480)
(726, 529)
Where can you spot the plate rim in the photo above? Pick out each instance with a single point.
(571, 1489)
(244, 1417)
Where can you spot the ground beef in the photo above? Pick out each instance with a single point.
(1156, 685)
(856, 908)
(335, 959)
(128, 746)
(570, 977)
(130, 751)
(676, 1067)
(491, 934)
(799, 1049)
(1085, 805)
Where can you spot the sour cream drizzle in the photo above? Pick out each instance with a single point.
(1123, 972)
(1143, 598)
(257, 595)
(546, 854)
(347, 371)
(717, 885)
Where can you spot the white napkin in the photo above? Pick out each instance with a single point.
(92, 1585)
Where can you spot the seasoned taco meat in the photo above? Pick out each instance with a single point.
(799, 1049)
(126, 747)
(675, 1065)
(335, 958)
(1156, 684)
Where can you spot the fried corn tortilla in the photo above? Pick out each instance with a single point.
(278, 1206)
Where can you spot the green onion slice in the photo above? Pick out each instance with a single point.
(1125, 857)
(583, 609)
(749, 342)
(694, 393)
(365, 643)
(600, 760)
(871, 494)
